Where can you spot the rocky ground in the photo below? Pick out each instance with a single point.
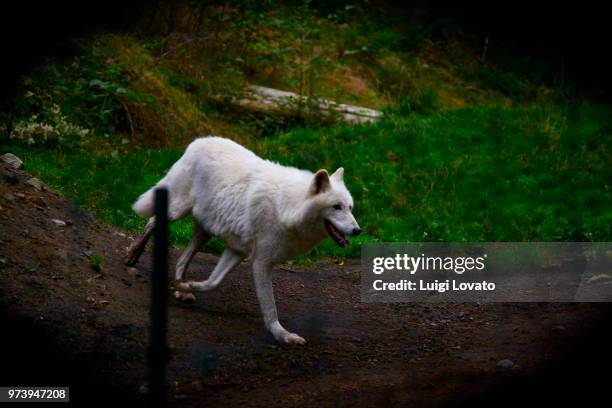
(73, 314)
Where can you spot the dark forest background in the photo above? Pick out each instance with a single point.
(472, 93)
(573, 36)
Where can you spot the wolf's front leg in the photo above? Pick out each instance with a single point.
(262, 274)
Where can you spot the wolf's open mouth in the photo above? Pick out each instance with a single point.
(335, 234)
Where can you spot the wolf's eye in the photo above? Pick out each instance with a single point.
(338, 207)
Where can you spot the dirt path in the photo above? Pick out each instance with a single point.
(67, 323)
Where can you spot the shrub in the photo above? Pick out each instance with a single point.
(56, 130)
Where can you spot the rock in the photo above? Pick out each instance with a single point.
(12, 160)
(184, 296)
(598, 278)
(558, 329)
(120, 234)
(133, 272)
(505, 366)
(20, 196)
(38, 201)
(36, 183)
(197, 384)
(59, 223)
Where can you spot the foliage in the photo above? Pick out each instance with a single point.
(467, 150)
(96, 263)
(538, 173)
(57, 131)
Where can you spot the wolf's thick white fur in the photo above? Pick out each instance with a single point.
(262, 210)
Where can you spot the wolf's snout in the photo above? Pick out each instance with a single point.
(356, 231)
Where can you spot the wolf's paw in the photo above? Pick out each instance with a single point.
(130, 259)
(186, 286)
(291, 338)
(184, 297)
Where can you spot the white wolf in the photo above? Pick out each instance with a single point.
(262, 210)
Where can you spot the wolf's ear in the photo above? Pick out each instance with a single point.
(338, 174)
(320, 182)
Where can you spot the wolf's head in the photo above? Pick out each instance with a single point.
(333, 205)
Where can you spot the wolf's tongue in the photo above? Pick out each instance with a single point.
(335, 234)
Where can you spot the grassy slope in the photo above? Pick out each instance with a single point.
(475, 174)
(465, 152)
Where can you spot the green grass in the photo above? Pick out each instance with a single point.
(538, 173)
(467, 151)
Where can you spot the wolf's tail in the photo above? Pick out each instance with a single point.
(177, 181)
(144, 206)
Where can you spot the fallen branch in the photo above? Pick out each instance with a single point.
(269, 100)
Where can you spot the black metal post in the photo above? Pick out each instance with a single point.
(159, 300)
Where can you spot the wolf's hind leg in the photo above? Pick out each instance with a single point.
(138, 246)
(198, 239)
(175, 213)
(228, 261)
